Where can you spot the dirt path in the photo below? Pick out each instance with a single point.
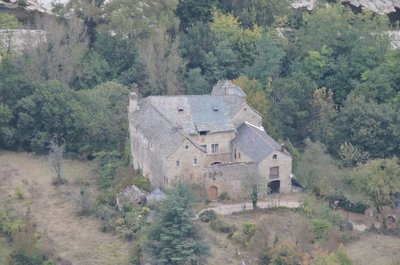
(289, 201)
(75, 239)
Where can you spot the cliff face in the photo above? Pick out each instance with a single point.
(18, 40)
(377, 6)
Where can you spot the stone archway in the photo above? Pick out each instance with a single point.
(212, 193)
(274, 186)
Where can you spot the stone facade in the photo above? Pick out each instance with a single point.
(209, 140)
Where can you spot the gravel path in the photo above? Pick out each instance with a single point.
(289, 201)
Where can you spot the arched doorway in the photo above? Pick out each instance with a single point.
(274, 186)
(212, 193)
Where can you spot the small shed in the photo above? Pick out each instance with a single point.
(131, 195)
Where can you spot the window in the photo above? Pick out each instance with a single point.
(204, 146)
(177, 163)
(203, 132)
(186, 147)
(234, 153)
(194, 161)
(274, 157)
(214, 148)
(274, 173)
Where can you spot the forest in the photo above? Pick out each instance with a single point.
(326, 81)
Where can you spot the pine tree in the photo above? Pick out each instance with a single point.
(173, 238)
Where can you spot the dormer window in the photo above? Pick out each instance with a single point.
(215, 108)
(180, 109)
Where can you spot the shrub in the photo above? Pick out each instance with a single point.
(84, 202)
(222, 227)
(21, 258)
(321, 227)
(19, 193)
(249, 230)
(106, 214)
(208, 216)
(224, 196)
(344, 203)
(142, 182)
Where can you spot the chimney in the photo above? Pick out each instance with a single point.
(133, 106)
(282, 147)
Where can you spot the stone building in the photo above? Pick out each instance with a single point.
(213, 140)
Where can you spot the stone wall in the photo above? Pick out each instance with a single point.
(223, 140)
(191, 164)
(284, 162)
(247, 113)
(229, 178)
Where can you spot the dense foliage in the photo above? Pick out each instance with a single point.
(174, 238)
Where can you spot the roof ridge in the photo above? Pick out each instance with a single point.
(253, 127)
(179, 130)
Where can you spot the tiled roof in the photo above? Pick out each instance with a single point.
(255, 142)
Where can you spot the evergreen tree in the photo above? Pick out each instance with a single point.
(174, 239)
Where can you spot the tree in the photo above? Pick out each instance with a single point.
(56, 157)
(255, 186)
(317, 171)
(378, 180)
(192, 11)
(267, 61)
(256, 12)
(140, 19)
(102, 117)
(163, 66)
(291, 100)
(58, 55)
(196, 83)
(323, 115)
(173, 238)
(372, 127)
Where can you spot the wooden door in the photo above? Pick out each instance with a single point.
(212, 193)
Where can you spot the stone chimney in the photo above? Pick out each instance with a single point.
(133, 104)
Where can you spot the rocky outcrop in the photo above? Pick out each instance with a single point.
(23, 6)
(377, 6)
(17, 40)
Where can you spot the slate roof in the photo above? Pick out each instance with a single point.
(255, 142)
(162, 134)
(198, 113)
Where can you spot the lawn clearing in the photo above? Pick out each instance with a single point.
(375, 249)
(25, 181)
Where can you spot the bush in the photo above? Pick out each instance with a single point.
(106, 214)
(222, 227)
(142, 182)
(208, 216)
(19, 193)
(84, 202)
(22, 258)
(321, 227)
(224, 196)
(249, 230)
(344, 203)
